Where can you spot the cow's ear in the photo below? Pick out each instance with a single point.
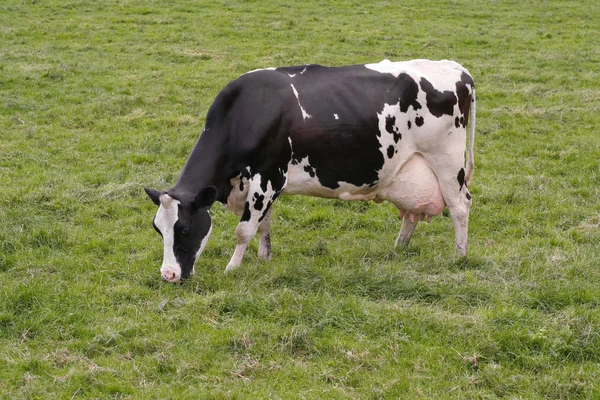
(205, 198)
(154, 195)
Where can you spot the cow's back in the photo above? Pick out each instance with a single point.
(352, 128)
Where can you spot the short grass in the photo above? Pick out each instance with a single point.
(101, 98)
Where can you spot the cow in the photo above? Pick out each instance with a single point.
(392, 131)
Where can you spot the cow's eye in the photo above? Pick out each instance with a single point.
(185, 230)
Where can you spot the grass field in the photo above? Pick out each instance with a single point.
(101, 98)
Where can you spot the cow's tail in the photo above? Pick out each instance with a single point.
(470, 159)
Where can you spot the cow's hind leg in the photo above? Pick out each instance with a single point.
(450, 173)
(256, 214)
(409, 223)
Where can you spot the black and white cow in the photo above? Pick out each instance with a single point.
(392, 131)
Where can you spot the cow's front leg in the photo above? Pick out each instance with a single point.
(244, 232)
(256, 216)
(264, 246)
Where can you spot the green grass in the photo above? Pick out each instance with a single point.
(101, 98)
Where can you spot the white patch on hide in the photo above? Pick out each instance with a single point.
(298, 173)
(336, 116)
(256, 188)
(299, 181)
(386, 138)
(305, 115)
(391, 165)
(418, 68)
(261, 69)
(385, 67)
(237, 198)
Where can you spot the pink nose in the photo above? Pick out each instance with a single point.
(170, 274)
(171, 277)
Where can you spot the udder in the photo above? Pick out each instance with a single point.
(415, 190)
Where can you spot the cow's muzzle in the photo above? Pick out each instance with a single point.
(170, 273)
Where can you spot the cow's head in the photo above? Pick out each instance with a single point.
(185, 226)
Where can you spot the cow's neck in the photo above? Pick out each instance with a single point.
(204, 167)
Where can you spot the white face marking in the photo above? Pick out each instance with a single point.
(165, 220)
(204, 241)
(336, 116)
(305, 115)
(202, 246)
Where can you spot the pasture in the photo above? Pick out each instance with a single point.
(101, 98)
